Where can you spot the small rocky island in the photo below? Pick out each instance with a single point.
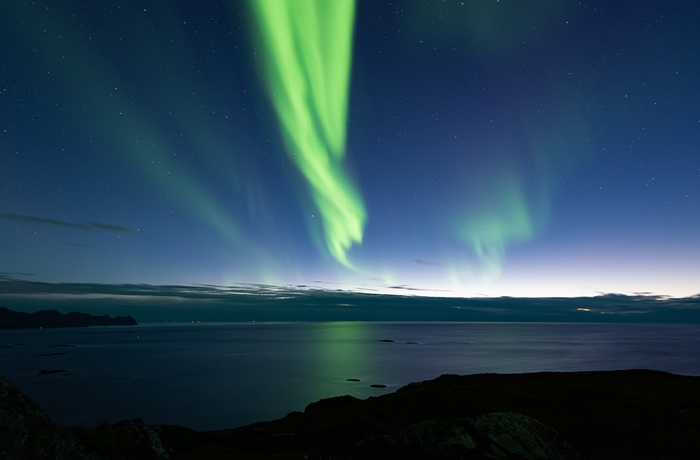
(10, 319)
(547, 415)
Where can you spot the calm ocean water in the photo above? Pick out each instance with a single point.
(215, 376)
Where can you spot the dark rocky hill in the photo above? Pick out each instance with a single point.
(596, 415)
(10, 319)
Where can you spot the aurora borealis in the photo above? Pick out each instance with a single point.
(456, 148)
(307, 48)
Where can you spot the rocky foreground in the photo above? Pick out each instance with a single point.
(594, 415)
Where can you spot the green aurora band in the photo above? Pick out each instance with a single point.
(507, 219)
(513, 206)
(111, 115)
(307, 50)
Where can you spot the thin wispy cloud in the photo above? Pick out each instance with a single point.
(12, 276)
(78, 245)
(426, 262)
(89, 226)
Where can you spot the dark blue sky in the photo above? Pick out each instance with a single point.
(488, 147)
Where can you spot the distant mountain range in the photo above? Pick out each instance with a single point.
(10, 319)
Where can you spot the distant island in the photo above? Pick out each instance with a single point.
(10, 319)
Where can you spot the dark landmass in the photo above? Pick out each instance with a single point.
(595, 415)
(10, 319)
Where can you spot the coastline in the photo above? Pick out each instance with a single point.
(599, 414)
(210, 378)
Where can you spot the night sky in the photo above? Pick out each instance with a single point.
(448, 148)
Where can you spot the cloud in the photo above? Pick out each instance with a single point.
(10, 276)
(426, 262)
(25, 219)
(264, 302)
(406, 287)
(111, 228)
(78, 245)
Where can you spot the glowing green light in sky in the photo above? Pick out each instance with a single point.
(506, 219)
(307, 49)
(114, 117)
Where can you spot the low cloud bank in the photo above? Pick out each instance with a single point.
(263, 302)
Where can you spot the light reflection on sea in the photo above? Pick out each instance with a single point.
(221, 375)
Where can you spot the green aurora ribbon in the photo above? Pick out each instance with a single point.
(307, 50)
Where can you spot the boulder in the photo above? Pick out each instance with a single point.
(498, 435)
(26, 432)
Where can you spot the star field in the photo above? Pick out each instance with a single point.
(489, 148)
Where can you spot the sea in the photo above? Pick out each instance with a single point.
(223, 375)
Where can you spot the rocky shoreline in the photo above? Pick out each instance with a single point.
(610, 414)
